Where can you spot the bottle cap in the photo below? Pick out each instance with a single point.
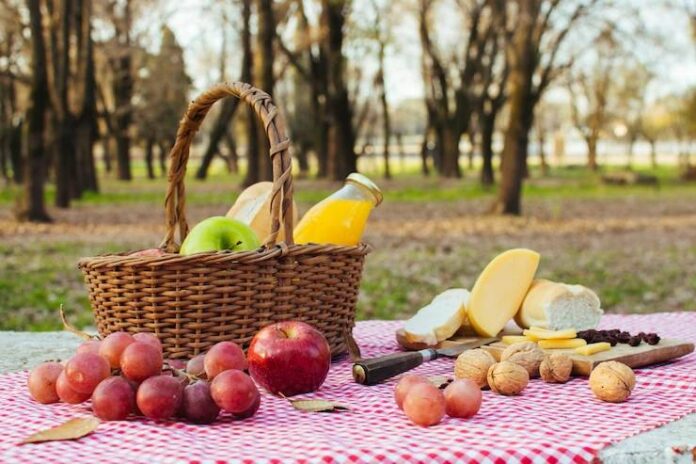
(365, 182)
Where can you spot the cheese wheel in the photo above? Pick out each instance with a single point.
(500, 290)
(558, 306)
(253, 207)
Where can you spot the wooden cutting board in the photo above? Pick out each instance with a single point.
(633, 356)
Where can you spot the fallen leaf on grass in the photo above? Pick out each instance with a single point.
(317, 405)
(70, 430)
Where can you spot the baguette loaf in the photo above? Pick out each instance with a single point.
(558, 306)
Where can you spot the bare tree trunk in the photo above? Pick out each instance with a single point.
(252, 152)
(386, 123)
(15, 151)
(631, 146)
(67, 180)
(149, 155)
(521, 117)
(487, 124)
(123, 92)
(591, 142)
(653, 153)
(164, 147)
(342, 158)
(541, 142)
(229, 107)
(106, 152)
(450, 152)
(86, 130)
(33, 207)
(265, 77)
(233, 155)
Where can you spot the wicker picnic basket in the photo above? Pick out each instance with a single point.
(192, 302)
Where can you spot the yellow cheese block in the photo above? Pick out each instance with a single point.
(510, 339)
(551, 334)
(500, 290)
(593, 348)
(558, 344)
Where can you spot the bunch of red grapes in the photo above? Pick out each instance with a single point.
(126, 374)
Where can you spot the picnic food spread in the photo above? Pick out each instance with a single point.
(257, 319)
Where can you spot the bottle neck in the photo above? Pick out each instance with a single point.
(357, 190)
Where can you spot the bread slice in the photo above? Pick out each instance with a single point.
(558, 306)
(440, 319)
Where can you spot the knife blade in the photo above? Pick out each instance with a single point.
(375, 370)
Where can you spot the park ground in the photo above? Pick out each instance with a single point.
(634, 245)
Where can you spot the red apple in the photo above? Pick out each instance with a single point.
(289, 358)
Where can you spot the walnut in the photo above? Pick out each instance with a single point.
(526, 354)
(474, 365)
(507, 378)
(556, 368)
(612, 381)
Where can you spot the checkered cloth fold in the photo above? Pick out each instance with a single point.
(547, 423)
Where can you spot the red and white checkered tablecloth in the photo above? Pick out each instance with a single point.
(547, 423)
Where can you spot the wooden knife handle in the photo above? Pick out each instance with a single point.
(375, 370)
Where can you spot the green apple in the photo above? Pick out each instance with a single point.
(219, 233)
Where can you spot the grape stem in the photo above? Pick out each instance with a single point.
(181, 372)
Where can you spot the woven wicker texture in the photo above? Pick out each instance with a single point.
(192, 302)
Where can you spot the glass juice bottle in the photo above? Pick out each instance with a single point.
(340, 218)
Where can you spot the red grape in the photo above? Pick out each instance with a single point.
(177, 363)
(197, 405)
(159, 397)
(113, 399)
(424, 404)
(67, 394)
(42, 382)
(90, 346)
(405, 383)
(462, 398)
(113, 345)
(141, 360)
(84, 371)
(149, 338)
(224, 356)
(251, 410)
(195, 366)
(234, 391)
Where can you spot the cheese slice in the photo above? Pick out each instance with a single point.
(544, 334)
(440, 319)
(560, 344)
(500, 290)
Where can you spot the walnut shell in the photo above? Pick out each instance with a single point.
(474, 365)
(612, 381)
(507, 378)
(526, 354)
(556, 368)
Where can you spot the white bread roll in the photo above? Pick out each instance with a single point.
(558, 306)
(440, 319)
(253, 207)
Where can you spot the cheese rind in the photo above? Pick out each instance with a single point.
(500, 290)
(561, 344)
(439, 320)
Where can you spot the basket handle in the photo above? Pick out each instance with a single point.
(273, 123)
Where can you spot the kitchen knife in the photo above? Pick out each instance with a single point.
(375, 370)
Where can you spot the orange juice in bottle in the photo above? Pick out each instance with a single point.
(340, 218)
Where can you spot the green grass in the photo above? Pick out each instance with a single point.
(39, 274)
